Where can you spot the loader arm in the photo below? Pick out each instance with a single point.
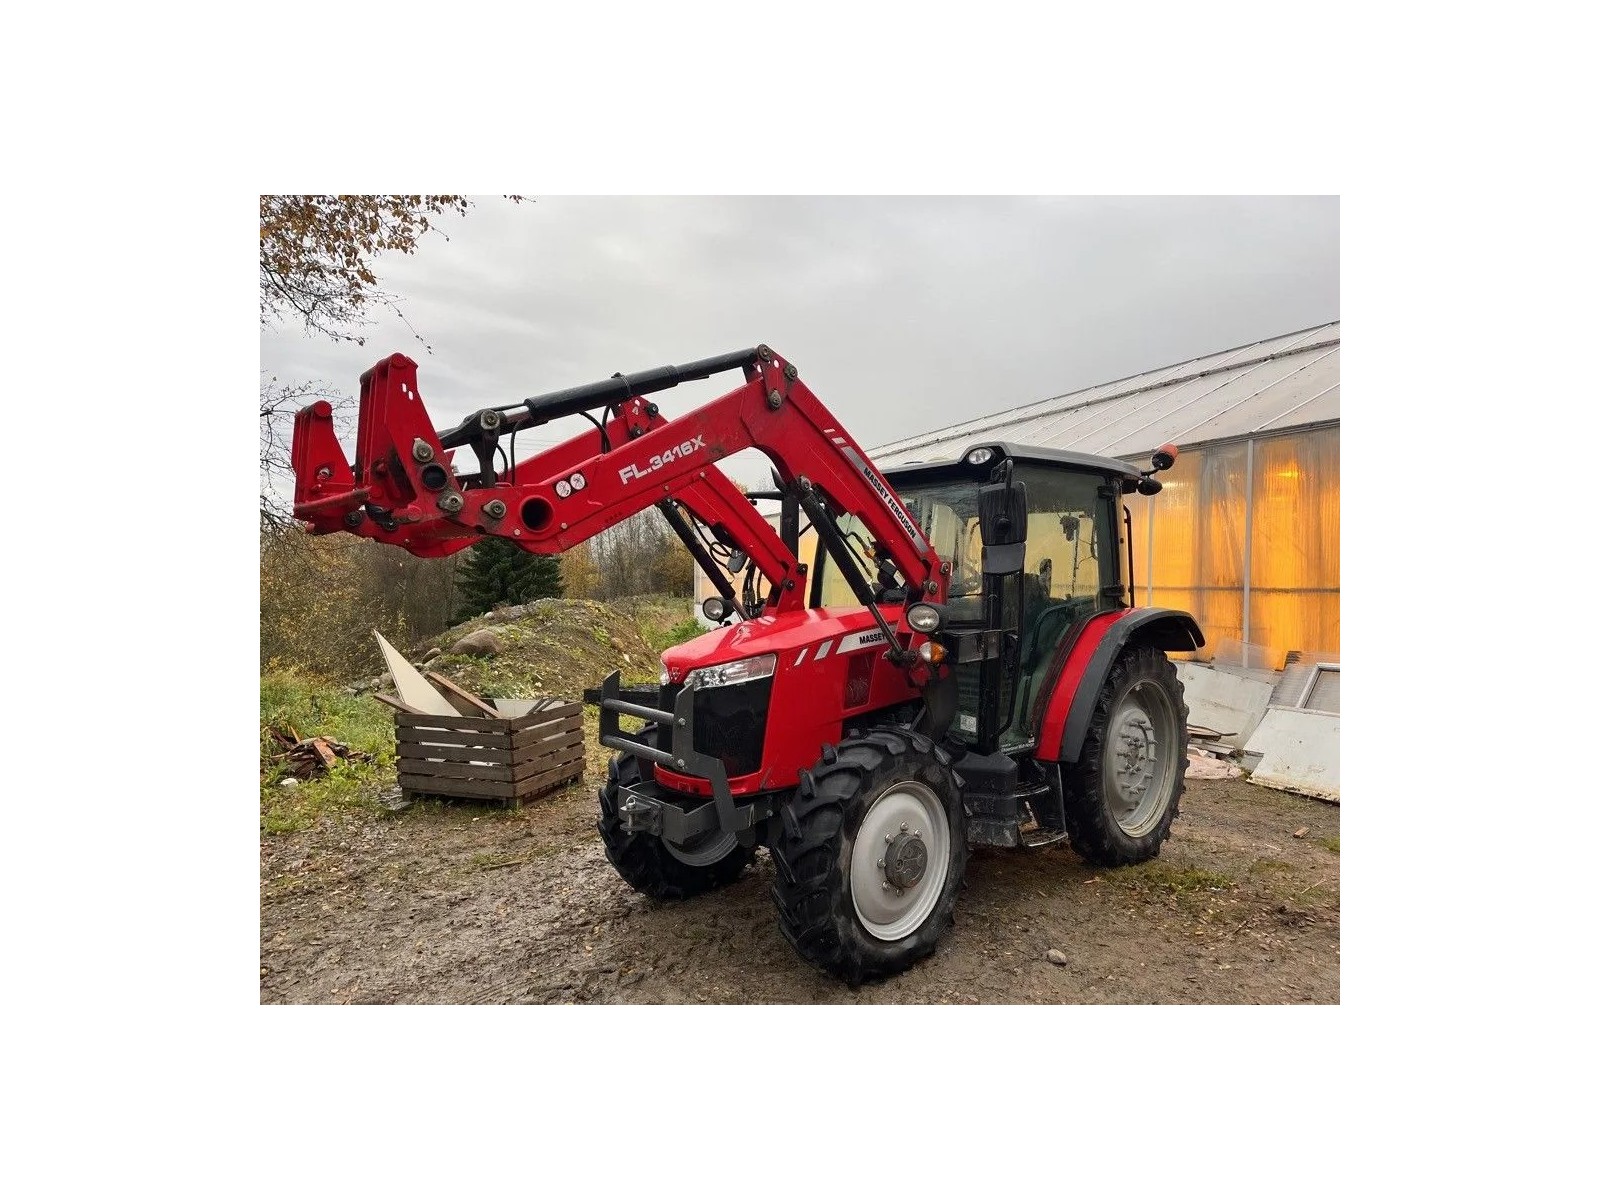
(403, 488)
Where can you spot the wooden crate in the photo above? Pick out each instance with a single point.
(491, 758)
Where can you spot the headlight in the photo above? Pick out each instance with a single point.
(745, 670)
(715, 609)
(980, 456)
(924, 618)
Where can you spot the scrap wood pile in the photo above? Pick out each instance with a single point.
(452, 743)
(306, 758)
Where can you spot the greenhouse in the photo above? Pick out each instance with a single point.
(1245, 531)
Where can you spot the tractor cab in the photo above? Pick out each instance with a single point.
(1050, 555)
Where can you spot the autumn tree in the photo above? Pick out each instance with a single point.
(317, 271)
(317, 255)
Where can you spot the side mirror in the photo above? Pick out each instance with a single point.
(737, 561)
(1163, 458)
(1003, 513)
(1069, 528)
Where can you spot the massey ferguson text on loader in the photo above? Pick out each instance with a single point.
(961, 665)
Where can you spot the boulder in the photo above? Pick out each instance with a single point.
(483, 643)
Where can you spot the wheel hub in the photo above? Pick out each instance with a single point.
(1135, 753)
(900, 860)
(906, 859)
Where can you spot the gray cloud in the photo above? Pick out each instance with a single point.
(903, 314)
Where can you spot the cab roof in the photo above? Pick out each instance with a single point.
(1049, 456)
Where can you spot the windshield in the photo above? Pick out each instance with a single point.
(948, 515)
(1072, 540)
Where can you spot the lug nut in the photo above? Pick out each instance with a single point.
(353, 517)
(888, 837)
(904, 827)
(421, 451)
(886, 885)
(495, 509)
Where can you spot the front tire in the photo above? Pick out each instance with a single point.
(652, 865)
(870, 852)
(1122, 794)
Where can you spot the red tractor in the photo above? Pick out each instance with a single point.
(962, 664)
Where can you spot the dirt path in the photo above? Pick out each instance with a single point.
(464, 905)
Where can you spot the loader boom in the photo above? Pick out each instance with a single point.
(403, 489)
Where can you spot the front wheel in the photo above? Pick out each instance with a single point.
(661, 869)
(870, 852)
(1122, 794)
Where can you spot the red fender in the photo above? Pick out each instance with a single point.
(1090, 653)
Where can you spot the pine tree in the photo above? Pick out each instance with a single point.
(498, 571)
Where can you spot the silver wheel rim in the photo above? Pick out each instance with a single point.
(912, 813)
(703, 849)
(1141, 757)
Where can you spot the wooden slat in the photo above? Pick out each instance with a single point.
(485, 789)
(527, 739)
(489, 724)
(566, 744)
(448, 770)
(532, 752)
(435, 785)
(564, 708)
(447, 737)
(467, 724)
(466, 754)
(520, 772)
(526, 789)
(454, 691)
(397, 704)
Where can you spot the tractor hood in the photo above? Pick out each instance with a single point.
(790, 636)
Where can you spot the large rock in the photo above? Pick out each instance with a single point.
(482, 643)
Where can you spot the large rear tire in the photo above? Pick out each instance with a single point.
(1122, 794)
(870, 852)
(652, 865)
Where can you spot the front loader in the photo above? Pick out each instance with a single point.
(961, 664)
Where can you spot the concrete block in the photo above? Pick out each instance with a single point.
(1299, 752)
(1221, 700)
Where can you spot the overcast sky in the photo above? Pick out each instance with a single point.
(903, 315)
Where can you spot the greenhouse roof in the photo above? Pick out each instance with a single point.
(1283, 383)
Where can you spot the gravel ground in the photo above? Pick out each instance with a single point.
(465, 905)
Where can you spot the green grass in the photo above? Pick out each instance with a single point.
(1329, 843)
(1264, 866)
(685, 629)
(292, 700)
(1158, 876)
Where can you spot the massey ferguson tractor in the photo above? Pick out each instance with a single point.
(961, 665)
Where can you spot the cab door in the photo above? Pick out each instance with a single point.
(1071, 571)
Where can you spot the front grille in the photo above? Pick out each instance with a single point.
(730, 723)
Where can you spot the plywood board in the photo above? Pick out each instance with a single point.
(409, 683)
(514, 708)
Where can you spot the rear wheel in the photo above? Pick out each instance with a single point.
(869, 853)
(661, 869)
(1123, 792)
